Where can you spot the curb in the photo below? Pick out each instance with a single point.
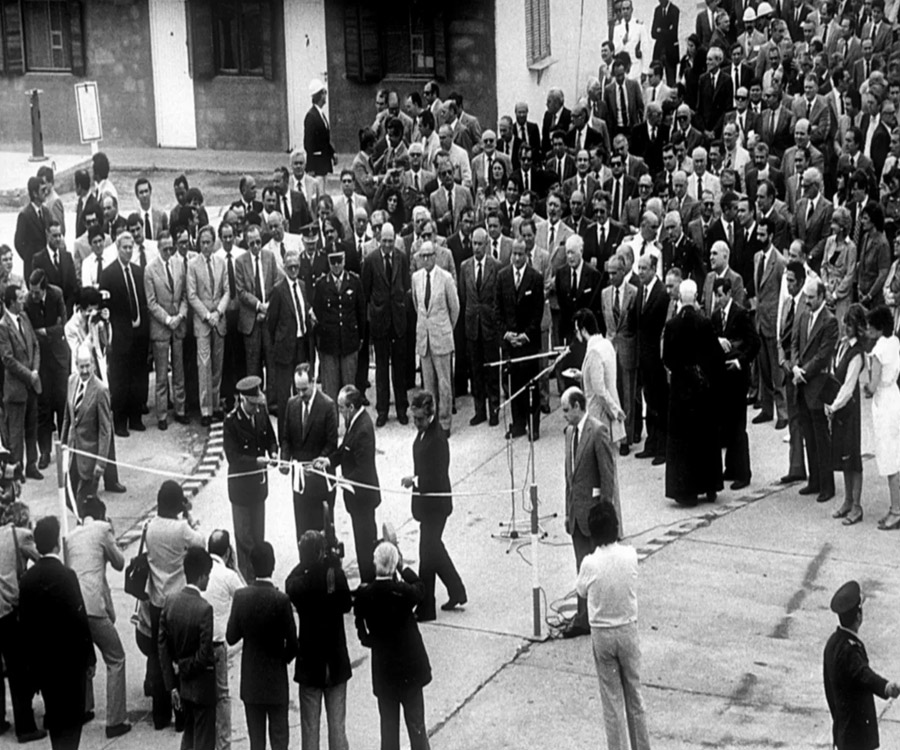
(204, 470)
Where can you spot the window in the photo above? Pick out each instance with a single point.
(537, 30)
(238, 38)
(41, 36)
(408, 40)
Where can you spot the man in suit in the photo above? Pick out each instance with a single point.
(813, 107)
(761, 170)
(478, 285)
(32, 224)
(499, 246)
(87, 427)
(740, 345)
(519, 312)
(716, 95)
(850, 682)
(664, 32)
(812, 221)
(261, 617)
(812, 349)
(309, 433)
(154, 220)
(51, 198)
(208, 296)
(186, 639)
(636, 207)
(603, 236)
(320, 153)
(129, 317)
(90, 546)
(56, 637)
(577, 286)
(248, 200)
(557, 117)
(167, 305)
(559, 164)
(876, 126)
(525, 132)
(648, 138)
(234, 358)
(300, 181)
(590, 479)
(617, 304)
(431, 475)
(58, 266)
(620, 187)
(347, 203)
(879, 30)
(650, 311)
(705, 24)
(483, 162)
(719, 256)
(776, 123)
(46, 312)
(113, 223)
(583, 136)
(624, 101)
(792, 306)
(21, 357)
(449, 201)
(582, 182)
(436, 302)
(679, 250)
(249, 441)
(256, 275)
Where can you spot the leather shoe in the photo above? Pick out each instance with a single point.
(761, 418)
(137, 426)
(514, 433)
(88, 717)
(740, 484)
(381, 420)
(624, 449)
(118, 730)
(824, 497)
(163, 425)
(781, 424)
(181, 419)
(710, 497)
(44, 461)
(658, 460)
(31, 471)
(494, 420)
(645, 454)
(791, 478)
(402, 418)
(116, 487)
(205, 421)
(426, 616)
(218, 415)
(453, 603)
(37, 734)
(122, 432)
(573, 630)
(807, 490)
(477, 420)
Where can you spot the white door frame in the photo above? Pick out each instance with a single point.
(173, 88)
(305, 59)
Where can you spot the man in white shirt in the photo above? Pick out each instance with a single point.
(102, 254)
(736, 156)
(644, 243)
(631, 36)
(462, 169)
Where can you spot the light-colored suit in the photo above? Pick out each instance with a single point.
(462, 199)
(21, 358)
(88, 429)
(251, 318)
(768, 295)
(557, 257)
(208, 296)
(738, 293)
(434, 335)
(165, 303)
(504, 249)
(623, 335)
(342, 213)
(480, 177)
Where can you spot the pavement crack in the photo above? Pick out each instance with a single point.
(782, 629)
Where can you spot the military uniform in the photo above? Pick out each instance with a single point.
(246, 438)
(849, 681)
(341, 318)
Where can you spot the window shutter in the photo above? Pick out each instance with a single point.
(370, 44)
(352, 54)
(543, 11)
(266, 15)
(203, 63)
(76, 31)
(13, 48)
(440, 46)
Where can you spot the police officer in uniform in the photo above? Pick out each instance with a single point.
(849, 681)
(249, 442)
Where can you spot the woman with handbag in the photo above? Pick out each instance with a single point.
(168, 537)
(844, 413)
(884, 369)
(839, 265)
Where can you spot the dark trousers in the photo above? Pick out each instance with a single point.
(434, 561)
(461, 364)
(583, 547)
(19, 684)
(797, 464)
(65, 738)
(249, 523)
(362, 366)
(390, 356)
(199, 726)
(283, 377)
(162, 698)
(51, 405)
(814, 424)
(234, 360)
(309, 511)
(128, 381)
(276, 717)
(656, 395)
(734, 432)
(529, 400)
(413, 702)
(21, 425)
(485, 382)
(409, 363)
(258, 347)
(365, 533)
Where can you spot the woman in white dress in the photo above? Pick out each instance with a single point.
(884, 369)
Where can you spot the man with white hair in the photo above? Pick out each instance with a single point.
(812, 220)
(701, 179)
(484, 162)
(458, 157)
(418, 181)
(679, 251)
(716, 93)
(645, 242)
(736, 156)
(649, 137)
(719, 255)
(577, 286)
(557, 117)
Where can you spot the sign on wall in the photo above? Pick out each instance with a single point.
(87, 103)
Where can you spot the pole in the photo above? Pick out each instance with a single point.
(61, 486)
(37, 133)
(535, 576)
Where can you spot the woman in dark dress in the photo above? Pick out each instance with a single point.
(694, 359)
(844, 412)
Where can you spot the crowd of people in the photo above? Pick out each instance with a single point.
(699, 233)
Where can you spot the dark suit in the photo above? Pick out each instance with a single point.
(563, 122)
(850, 684)
(57, 646)
(461, 249)
(62, 276)
(628, 189)
(560, 168)
(685, 255)
(532, 138)
(317, 143)
(586, 295)
(597, 253)
(479, 325)
(31, 234)
(664, 31)
(186, 639)
(714, 102)
(306, 441)
(50, 315)
(245, 439)
(814, 232)
(431, 466)
(21, 355)
(634, 106)
(813, 352)
(341, 320)
(387, 317)
(130, 343)
(288, 349)
(738, 329)
(651, 319)
(751, 182)
(520, 311)
(261, 617)
(650, 150)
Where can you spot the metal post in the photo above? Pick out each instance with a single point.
(37, 133)
(535, 547)
(61, 487)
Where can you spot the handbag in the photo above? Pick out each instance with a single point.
(138, 572)
(830, 388)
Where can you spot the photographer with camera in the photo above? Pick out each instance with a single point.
(319, 592)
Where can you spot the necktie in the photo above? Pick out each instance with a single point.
(574, 282)
(21, 330)
(78, 212)
(209, 271)
(652, 133)
(427, 289)
(132, 297)
(602, 244)
(416, 180)
(730, 235)
(617, 308)
(808, 108)
(148, 226)
(789, 319)
(518, 277)
(809, 212)
(142, 257)
(287, 208)
(574, 447)
(495, 252)
(169, 278)
(387, 267)
(450, 208)
(232, 290)
(325, 119)
(759, 271)
(478, 277)
(259, 292)
(857, 228)
(578, 142)
(617, 198)
(79, 397)
(304, 414)
(99, 270)
(527, 180)
(298, 308)
(653, 95)
(551, 243)
(812, 321)
(622, 114)
(282, 252)
(671, 185)
(359, 246)
(56, 259)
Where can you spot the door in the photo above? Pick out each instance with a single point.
(173, 89)
(304, 46)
